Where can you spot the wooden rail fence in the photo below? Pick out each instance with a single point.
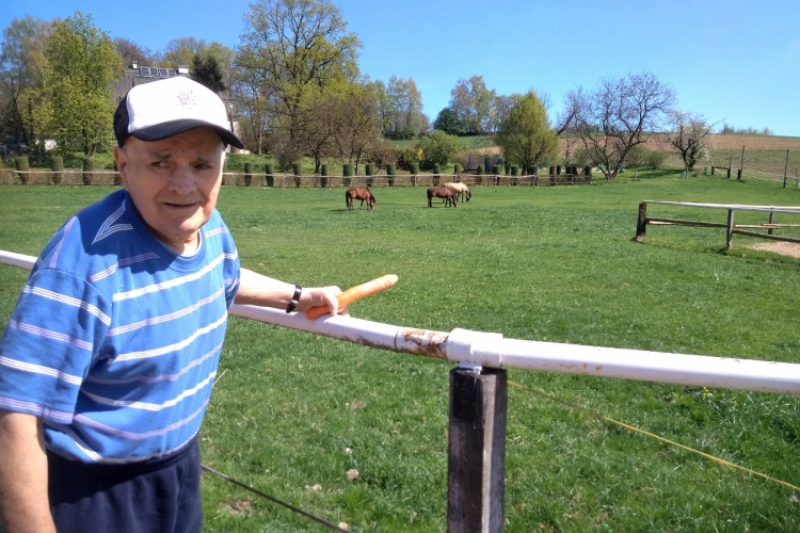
(730, 226)
(284, 181)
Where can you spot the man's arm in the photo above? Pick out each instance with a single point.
(255, 289)
(24, 506)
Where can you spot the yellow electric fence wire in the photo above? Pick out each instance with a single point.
(657, 437)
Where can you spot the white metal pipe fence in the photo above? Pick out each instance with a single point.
(492, 350)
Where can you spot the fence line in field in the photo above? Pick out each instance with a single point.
(731, 228)
(283, 180)
(762, 168)
(478, 388)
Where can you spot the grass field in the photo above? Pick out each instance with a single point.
(292, 412)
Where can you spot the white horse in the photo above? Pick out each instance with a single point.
(460, 189)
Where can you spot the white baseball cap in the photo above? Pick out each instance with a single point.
(160, 109)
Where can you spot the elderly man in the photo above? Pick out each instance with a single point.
(107, 363)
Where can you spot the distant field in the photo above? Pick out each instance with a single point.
(292, 412)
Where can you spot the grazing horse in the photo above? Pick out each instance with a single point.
(362, 194)
(461, 190)
(442, 192)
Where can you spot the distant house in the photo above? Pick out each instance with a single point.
(136, 75)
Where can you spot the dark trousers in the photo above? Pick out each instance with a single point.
(161, 496)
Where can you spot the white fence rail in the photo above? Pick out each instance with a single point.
(493, 351)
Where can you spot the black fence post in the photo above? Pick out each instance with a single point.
(476, 460)
(641, 225)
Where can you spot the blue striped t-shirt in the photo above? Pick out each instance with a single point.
(115, 339)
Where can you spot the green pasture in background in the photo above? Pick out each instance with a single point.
(292, 412)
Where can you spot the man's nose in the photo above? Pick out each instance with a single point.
(183, 180)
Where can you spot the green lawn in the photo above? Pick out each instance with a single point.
(293, 412)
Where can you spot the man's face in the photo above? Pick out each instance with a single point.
(174, 183)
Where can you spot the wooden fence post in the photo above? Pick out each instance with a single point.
(786, 169)
(729, 240)
(476, 459)
(741, 166)
(771, 221)
(641, 225)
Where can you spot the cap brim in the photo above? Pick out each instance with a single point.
(168, 129)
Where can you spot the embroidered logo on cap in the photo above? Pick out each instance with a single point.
(187, 98)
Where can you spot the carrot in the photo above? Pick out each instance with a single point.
(355, 293)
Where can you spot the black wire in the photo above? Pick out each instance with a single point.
(276, 500)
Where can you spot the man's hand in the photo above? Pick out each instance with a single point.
(255, 289)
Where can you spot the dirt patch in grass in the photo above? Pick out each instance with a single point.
(238, 508)
(791, 249)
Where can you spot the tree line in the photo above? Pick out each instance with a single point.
(295, 90)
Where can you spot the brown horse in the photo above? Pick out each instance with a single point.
(362, 194)
(442, 192)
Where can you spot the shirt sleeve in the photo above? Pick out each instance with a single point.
(50, 343)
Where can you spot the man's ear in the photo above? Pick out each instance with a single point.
(121, 160)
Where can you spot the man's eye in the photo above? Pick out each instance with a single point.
(160, 163)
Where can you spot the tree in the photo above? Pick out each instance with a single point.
(355, 122)
(618, 115)
(438, 147)
(181, 51)
(501, 105)
(447, 121)
(22, 63)
(207, 71)
(472, 103)
(692, 135)
(525, 134)
(82, 63)
(292, 49)
(255, 105)
(402, 109)
(130, 52)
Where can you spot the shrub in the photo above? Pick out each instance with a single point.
(248, 174)
(655, 160)
(21, 163)
(390, 173)
(347, 171)
(406, 158)
(269, 174)
(297, 170)
(438, 147)
(636, 156)
(369, 171)
(382, 153)
(88, 168)
(323, 172)
(57, 164)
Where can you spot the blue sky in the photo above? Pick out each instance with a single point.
(734, 61)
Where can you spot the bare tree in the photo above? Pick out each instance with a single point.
(692, 135)
(130, 52)
(618, 115)
(355, 123)
(401, 109)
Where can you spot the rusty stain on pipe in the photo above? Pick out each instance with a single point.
(424, 342)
